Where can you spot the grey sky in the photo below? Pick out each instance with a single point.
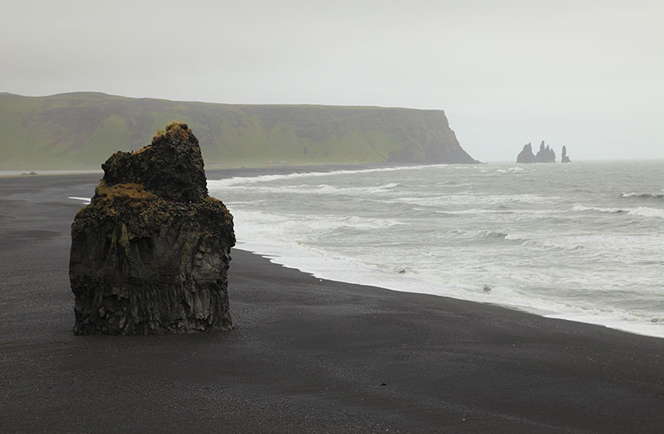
(586, 74)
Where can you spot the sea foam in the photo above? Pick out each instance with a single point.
(545, 246)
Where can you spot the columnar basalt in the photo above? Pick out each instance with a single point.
(150, 254)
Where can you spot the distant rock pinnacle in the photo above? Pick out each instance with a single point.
(544, 155)
(565, 157)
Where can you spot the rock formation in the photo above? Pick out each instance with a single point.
(526, 155)
(565, 157)
(151, 252)
(544, 155)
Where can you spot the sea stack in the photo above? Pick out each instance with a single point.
(526, 155)
(544, 155)
(150, 254)
(565, 157)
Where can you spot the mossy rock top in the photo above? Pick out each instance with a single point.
(171, 167)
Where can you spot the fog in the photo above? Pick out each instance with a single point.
(585, 74)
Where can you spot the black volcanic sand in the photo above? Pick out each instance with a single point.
(307, 356)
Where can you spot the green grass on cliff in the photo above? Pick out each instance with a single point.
(81, 130)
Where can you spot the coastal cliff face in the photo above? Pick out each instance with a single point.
(78, 130)
(150, 254)
(428, 139)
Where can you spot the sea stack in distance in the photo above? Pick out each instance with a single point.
(544, 155)
(565, 158)
(526, 155)
(150, 254)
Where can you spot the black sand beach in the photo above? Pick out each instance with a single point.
(307, 356)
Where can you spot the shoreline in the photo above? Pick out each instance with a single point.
(32, 173)
(244, 171)
(307, 354)
(285, 256)
(557, 316)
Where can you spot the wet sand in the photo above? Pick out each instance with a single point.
(307, 356)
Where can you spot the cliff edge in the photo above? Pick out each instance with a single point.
(77, 130)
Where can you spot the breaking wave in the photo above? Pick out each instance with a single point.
(538, 242)
(655, 196)
(640, 211)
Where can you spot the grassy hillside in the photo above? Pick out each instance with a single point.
(81, 130)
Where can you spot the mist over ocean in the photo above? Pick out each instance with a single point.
(580, 241)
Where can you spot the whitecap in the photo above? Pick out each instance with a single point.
(85, 200)
(647, 212)
(642, 195)
(583, 208)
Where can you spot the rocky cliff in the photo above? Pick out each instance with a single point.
(78, 130)
(151, 252)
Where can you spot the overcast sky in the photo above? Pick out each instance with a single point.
(586, 74)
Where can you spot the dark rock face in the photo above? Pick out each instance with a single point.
(171, 168)
(526, 155)
(151, 252)
(544, 155)
(565, 157)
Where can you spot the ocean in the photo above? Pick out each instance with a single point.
(580, 241)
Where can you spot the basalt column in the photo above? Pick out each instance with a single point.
(150, 254)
